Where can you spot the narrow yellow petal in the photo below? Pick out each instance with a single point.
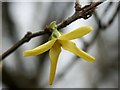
(70, 46)
(54, 54)
(77, 33)
(40, 49)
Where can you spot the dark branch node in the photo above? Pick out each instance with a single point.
(27, 37)
(77, 6)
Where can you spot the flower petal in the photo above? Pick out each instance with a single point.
(70, 46)
(54, 54)
(79, 32)
(40, 49)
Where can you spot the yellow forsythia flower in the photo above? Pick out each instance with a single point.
(56, 42)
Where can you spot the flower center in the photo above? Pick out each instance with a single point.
(55, 32)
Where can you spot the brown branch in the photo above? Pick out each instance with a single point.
(25, 39)
(84, 12)
(87, 45)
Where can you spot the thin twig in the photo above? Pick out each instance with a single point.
(85, 13)
(87, 45)
(107, 8)
(25, 39)
(101, 26)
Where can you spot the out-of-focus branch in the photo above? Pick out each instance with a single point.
(84, 12)
(113, 17)
(87, 45)
(101, 27)
(107, 8)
